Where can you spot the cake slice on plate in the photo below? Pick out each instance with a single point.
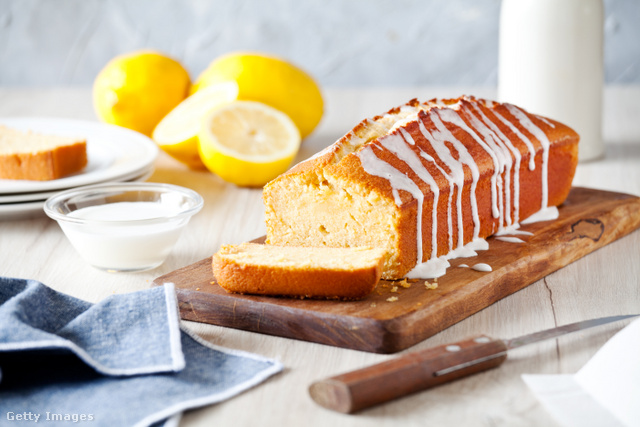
(39, 157)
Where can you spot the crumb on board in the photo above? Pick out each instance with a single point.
(405, 284)
(197, 289)
(430, 285)
(394, 289)
(373, 304)
(392, 299)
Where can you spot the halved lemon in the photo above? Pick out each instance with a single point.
(177, 132)
(248, 143)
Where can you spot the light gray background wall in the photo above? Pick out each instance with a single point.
(341, 42)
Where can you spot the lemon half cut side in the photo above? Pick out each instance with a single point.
(248, 143)
(177, 132)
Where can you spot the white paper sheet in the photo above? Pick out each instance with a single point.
(605, 392)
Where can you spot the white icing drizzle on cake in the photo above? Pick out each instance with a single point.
(438, 267)
(429, 158)
(437, 139)
(478, 267)
(547, 214)
(450, 199)
(513, 229)
(506, 159)
(523, 138)
(547, 122)
(452, 116)
(534, 130)
(399, 181)
(429, 270)
(510, 239)
(482, 267)
(398, 146)
(511, 149)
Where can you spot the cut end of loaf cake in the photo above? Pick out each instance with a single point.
(304, 272)
(34, 156)
(330, 213)
(423, 180)
(329, 210)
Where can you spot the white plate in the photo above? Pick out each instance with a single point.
(29, 197)
(33, 209)
(113, 152)
(22, 210)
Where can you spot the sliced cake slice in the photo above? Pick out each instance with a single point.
(39, 157)
(304, 272)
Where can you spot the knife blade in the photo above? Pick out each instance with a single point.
(420, 370)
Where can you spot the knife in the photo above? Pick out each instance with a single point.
(416, 371)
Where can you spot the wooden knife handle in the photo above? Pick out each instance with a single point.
(408, 374)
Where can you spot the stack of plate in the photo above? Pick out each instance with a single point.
(115, 154)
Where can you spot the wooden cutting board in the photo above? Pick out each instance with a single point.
(589, 219)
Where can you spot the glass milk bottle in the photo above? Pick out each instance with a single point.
(551, 63)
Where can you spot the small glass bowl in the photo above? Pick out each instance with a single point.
(124, 227)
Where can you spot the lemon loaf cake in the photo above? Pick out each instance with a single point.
(305, 272)
(35, 156)
(426, 182)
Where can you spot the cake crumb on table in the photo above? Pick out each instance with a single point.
(392, 299)
(394, 289)
(430, 285)
(405, 283)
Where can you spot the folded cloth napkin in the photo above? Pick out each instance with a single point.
(604, 393)
(125, 361)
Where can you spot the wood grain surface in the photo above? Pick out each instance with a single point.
(380, 323)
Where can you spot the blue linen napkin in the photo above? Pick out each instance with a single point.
(125, 361)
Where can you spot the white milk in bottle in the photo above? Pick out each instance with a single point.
(551, 63)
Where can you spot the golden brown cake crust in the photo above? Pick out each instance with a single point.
(562, 161)
(361, 133)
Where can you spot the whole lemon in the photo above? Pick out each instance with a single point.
(138, 89)
(272, 81)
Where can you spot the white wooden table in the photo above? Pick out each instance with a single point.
(606, 282)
